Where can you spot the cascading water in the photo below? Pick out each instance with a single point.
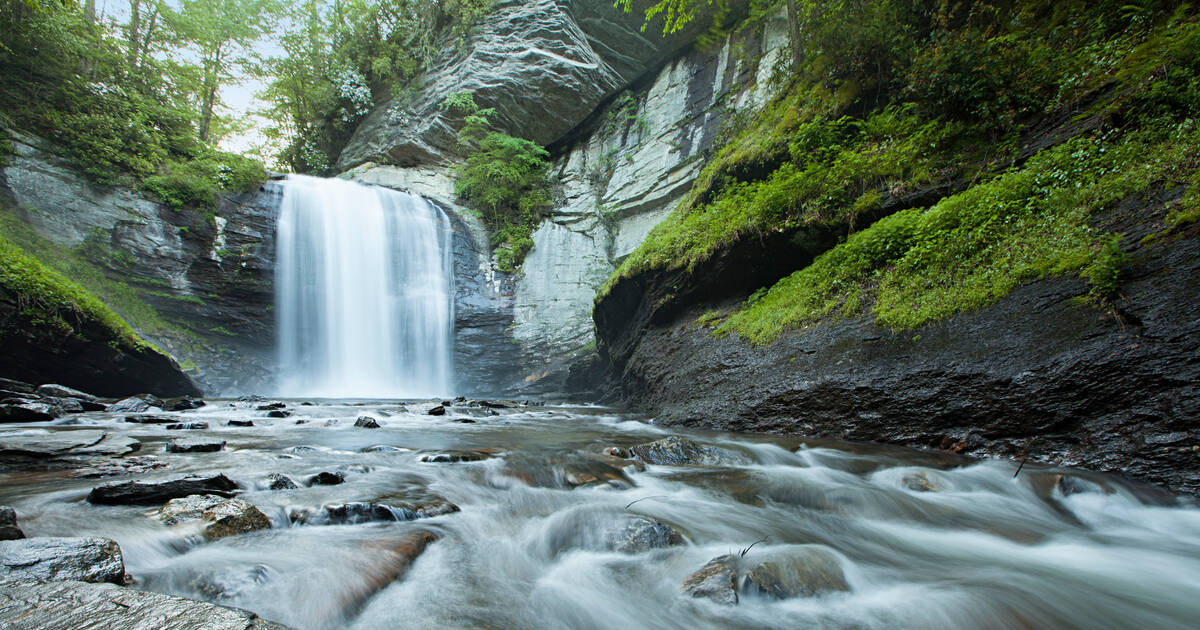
(364, 292)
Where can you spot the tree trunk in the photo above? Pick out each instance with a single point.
(210, 96)
(147, 39)
(89, 8)
(794, 33)
(133, 31)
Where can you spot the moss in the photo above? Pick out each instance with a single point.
(973, 248)
(45, 295)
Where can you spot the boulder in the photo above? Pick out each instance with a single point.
(366, 422)
(598, 529)
(642, 534)
(66, 405)
(716, 580)
(221, 516)
(271, 406)
(677, 451)
(240, 423)
(28, 412)
(437, 410)
(386, 448)
(566, 470)
(326, 478)
(195, 445)
(74, 604)
(62, 391)
(135, 404)
(21, 387)
(122, 466)
(159, 492)
(279, 413)
(446, 457)
(8, 524)
(371, 512)
(801, 572)
(84, 559)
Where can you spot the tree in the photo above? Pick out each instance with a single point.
(222, 33)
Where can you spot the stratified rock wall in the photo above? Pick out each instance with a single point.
(210, 279)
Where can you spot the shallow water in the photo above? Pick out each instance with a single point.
(985, 550)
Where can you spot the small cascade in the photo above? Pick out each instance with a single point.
(364, 292)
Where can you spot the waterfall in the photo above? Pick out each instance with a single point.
(363, 292)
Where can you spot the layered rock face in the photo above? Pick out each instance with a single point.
(544, 65)
(209, 279)
(621, 166)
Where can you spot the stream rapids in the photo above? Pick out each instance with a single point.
(922, 540)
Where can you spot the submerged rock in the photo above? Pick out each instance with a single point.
(366, 422)
(187, 426)
(80, 605)
(327, 479)
(446, 457)
(159, 492)
(240, 423)
(796, 573)
(643, 534)
(567, 470)
(8, 524)
(151, 419)
(369, 512)
(386, 448)
(84, 559)
(919, 482)
(716, 580)
(195, 445)
(222, 516)
(677, 451)
(183, 404)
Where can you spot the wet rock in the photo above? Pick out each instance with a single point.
(251, 398)
(302, 422)
(8, 524)
(919, 482)
(20, 387)
(327, 479)
(279, 413)
(62, 391)
(385, 448)
(565, 470)
(332, 422)
(65, 405)
(183, 404)
(187, 426)
(135, 404)
(28, 412)
(222, 516)
(677, 451)
(447, 457)
(240, 423)
(80, 605)
(797, 573)
(66, 444)
(195, 445)
(271, 407)
(84, 559)
(366, 422)
(279, 481)
(437, 410)
(499, 404)
(642, 534)
(302, 448)
(716, 580)
(159, 492)
(123, 466)
(371, 512)
(151, 419)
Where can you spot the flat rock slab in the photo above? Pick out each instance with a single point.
(676, 451)
(159, 492)
(29, 605)
(195, 445)
(68, 444)
(28, 412)
(62, 391)
(85, 559)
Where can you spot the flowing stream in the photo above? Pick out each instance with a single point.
(364, 288)
(922, 540)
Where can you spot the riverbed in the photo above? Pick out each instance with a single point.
(528, 523)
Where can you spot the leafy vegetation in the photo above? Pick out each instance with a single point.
(505, 179)
(112, 107)
(889, 98)
(345, 57)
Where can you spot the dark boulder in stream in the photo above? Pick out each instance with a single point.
(676, 451)
(8, 524)
(159, 492)
(195, 445)
(221, 516)
(366, 422)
